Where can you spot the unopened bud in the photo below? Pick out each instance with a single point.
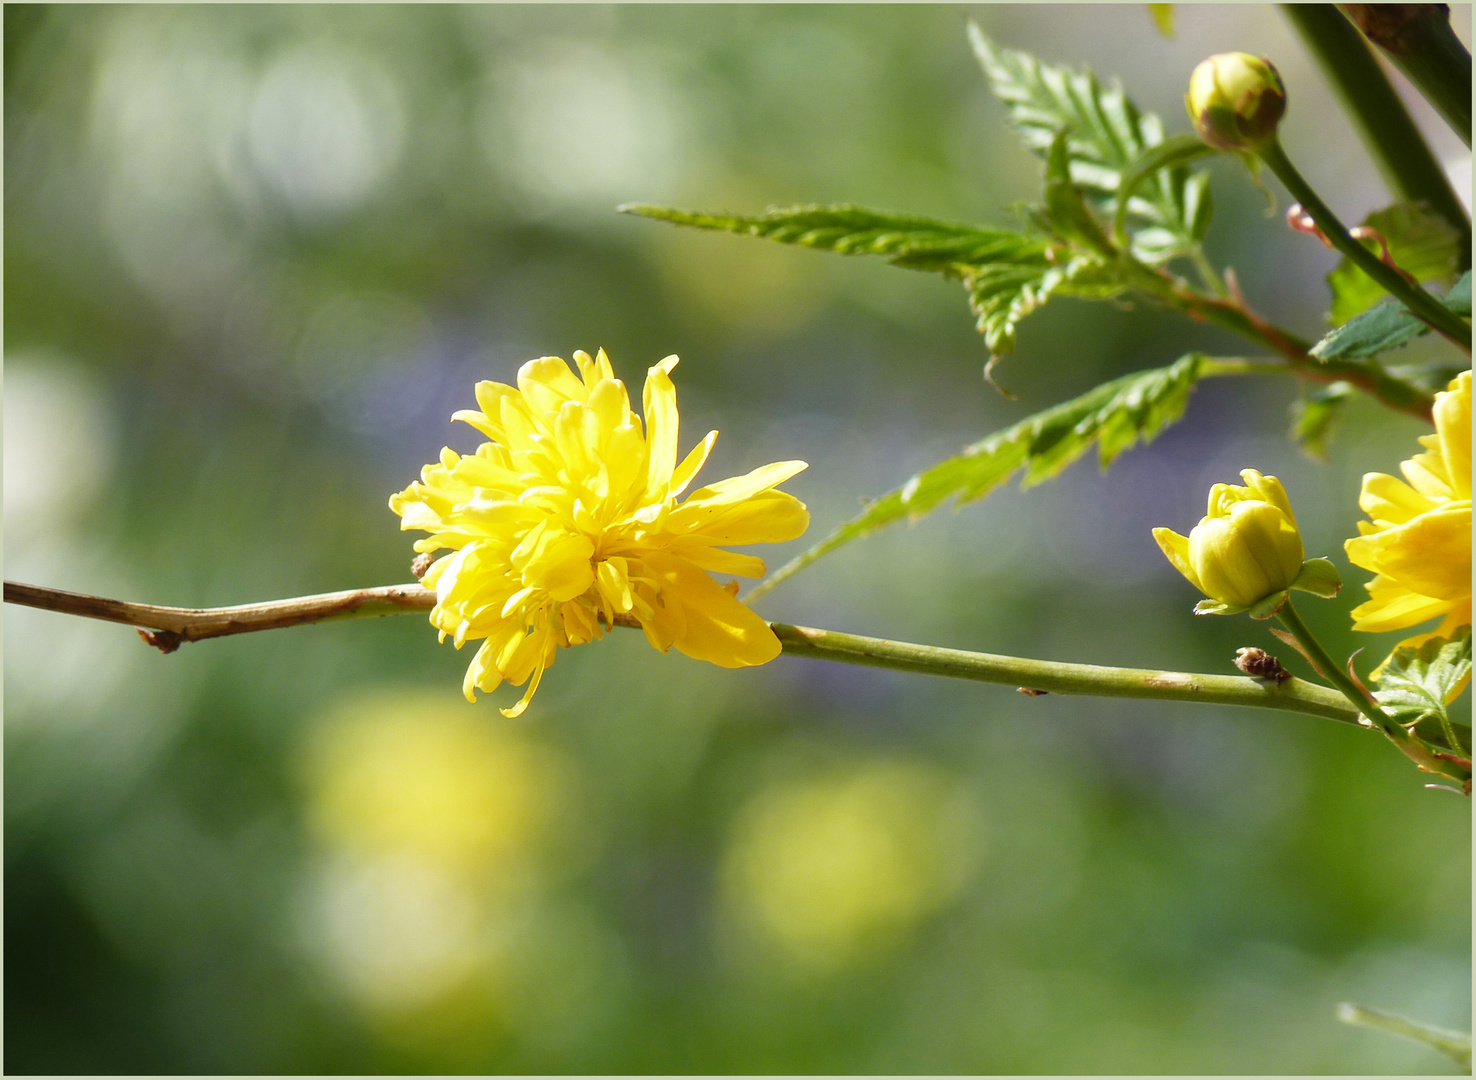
(1236, 101)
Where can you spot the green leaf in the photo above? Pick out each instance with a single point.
(1314, 416)
(1107, 134)
(1163, 18)
(1320, 578)
(1386, 326)
(1115, 416)
(1421, 243)
(919, 243)
(1001, 295)
(1007, 274)
(1065, 208)
(1172, 152)
(1268, 606)
(1418, 680)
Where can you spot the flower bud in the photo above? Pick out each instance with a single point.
(1245, 549)
(1236, 100)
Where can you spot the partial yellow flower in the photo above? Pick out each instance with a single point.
(569, 517)
(1419, 539)
(1245, 548)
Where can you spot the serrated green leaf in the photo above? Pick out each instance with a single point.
(1314, 417)
(919, 243)
(1115, 416)
(1163, 18)
(1386, 326)
(1418, 680)
(1107, 134)
(1421, 243)
(1007, 274)
(1066, 210)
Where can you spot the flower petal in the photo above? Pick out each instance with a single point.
(1176, 549)
(659, 402)
(718, 628)
(1393, 607)
(1430, 554)
(1387, 499)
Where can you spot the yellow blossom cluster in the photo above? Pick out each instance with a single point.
(1418, 538)
(569, 517)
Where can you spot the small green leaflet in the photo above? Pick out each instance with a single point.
(1387, 326)
(1418, 680)
(1421, 243)
(1107, 136)
(1115, 415)
(1007, 274)
(1163, 18)
(1315, 416)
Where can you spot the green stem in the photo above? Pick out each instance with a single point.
(1293, 695)
(167, 628)
(1328, 668)
(1362, 700)
(1454, 1044)
(1419, 40)
(1219, 366)
(1233, 314)
(1206, 272)
(1420, 303)
(1405, 159)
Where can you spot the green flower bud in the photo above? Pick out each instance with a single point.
(1236, 100)
(1246, 547)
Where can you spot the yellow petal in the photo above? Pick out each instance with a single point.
(546, 383)
(718, 628)
(560, 562)
(770, 517)
(720, 561)
(659, 400)
(707, 502)
(1176, 549)
(1430, 554)
(689, 468)
(1393, 607)
(1453, 425)
(1268, 489)
(1387, 499)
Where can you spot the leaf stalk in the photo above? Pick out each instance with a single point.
(1405, 159)
(1359, 696)
(1420, 303)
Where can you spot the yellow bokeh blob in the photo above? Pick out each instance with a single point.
(405, 773)
(831, 870)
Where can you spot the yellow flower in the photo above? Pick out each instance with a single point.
(1245, 548)
(569, 517)
(1419, 541)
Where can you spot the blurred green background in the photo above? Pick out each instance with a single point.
(256, 256)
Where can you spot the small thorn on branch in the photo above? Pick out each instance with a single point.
(1030, 691)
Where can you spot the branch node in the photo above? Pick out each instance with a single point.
(166, 641)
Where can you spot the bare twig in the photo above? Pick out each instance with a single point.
(166, 628)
